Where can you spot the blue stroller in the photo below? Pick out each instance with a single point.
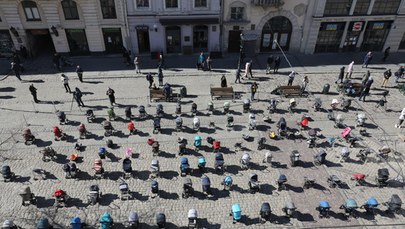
(227, 183)
(184, 166)
(206, 185)
(197, 143)
(350, 207)
(370, 205)
(201, 163)
(236, 213)
(323, 209)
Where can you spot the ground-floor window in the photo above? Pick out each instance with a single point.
(200, 38)
(375, 35)
(113, 40)
(77, 41)
(329, 36)
(6, 44)
(173, 39)
(352, 36)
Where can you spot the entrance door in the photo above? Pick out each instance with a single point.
(173, 39)
(277, 28)
(6, 44)
(200, 38)
(39, 41)
(234, 41)
(112, 40)
(143, 40)
(77, 41)
(375, 35)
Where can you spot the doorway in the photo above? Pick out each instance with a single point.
(77, 41)
(173, 39)
(277, 28)
(143, 40)
(200, 38)
(234, 40)
(375, 35)
(39, 41)
(112, 40)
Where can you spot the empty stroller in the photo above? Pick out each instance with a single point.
(265, 212)
(197, 143)
(360, 119)
(334, 181)
(192, 218)
(90, 116)
(154, 188)
(111, 114)
(61, 117)
(182, 142)
(27, 196)
(94, 194)
(346, 135)
(246, 106)
(179, 123)
(358, 178)
(252, 122)
(206, 185)
(125, 192)
(245, 161)
(227, 182)
(60, 198)
(28, 137)
(312, 138)
(227, 105)
(131, 128)
(216, 145)
(142, 112)
(70, 170)
(272, 106)
(127, 168)
(334, 104)
(370, 205)
(159, 110)
(188, 189)
(346, 103)
(229, 122)
(48, 154)
(394, 205)
(323, 209)
(350, 207)
(344, 154)
(154, 168)
(98, 169)
(281, 181)
(43, 223)
(317, 104)
(382, 177)
(9, 224)
(156, 125)
(289, 209)
(295, 158)
(59, 135)
(161, 220)
(320, 157)
(201, 163)
(196, 124)
(210, 107)
(339, 121)
(219, 162)
(178, 108)
(155, 148)
(82, 131)
(108, 128)
(292, 105)
(133, 220)
(184, 167)
(268, 158)
(193, 108)
(260, 143)
(282, 127)
(128, 113)
(363, 154)
(106, 221)
(6, 173)
(384, 152)
(236, 213)
(254, 185)
(308, 182)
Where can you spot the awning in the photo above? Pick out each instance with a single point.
(188, 21)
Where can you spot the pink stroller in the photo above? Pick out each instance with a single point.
(346, 135)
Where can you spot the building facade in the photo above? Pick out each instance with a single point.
(174, 26)
(65, 26)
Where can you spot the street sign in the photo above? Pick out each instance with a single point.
(357, 26)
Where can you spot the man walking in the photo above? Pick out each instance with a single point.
(16, 68)
(149, 78)
(137, 65)
(341, 75)
(253, 90)
(237, 75)
(367, 59)
(77, 95)
(349, 70)
(277, 63)
(270, 61)
(79, 72)
(111, 95)
(387, 75)
(399, 73)
(291, 78)
(33, 91)
(366, 89)
(65, 81)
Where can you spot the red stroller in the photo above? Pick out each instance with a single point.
(60, 198)
(59, 135)
(216, 145)
(359, 179)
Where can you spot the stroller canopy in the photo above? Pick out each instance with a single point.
(187, 181)
(60, 114)
(128, 110)
(133, 217)
(107, 124)
(197, 138)
(106, 218)
(219, 157)
(123, 186)
(246, 101)
(159, 106)
(192, 214)
(201, 161)
(236, 211)
(395, 200)
(154, 184)
(351, 203)
(227, 105)
(324, 204)
(89, 112)
(179, 120)
(156, 121)
(141, 109)
(5, 169)
(76, 223)
(228, 180)
(8, 224)
(155, 163)
(26, 131)
(361, 116)
(345, 151)
(383, 173)
(290, 205)
(312, 133)
(184, 161)
(160, 218)
(43, 223)
(253, 177)
(265, 207)
(372, 201)
(282, 124)
(217, 144)
(205, 181)
(282, 178)
(246, 157)
(94, 188)
(25, 190)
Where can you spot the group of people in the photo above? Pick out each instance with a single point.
(204, 63)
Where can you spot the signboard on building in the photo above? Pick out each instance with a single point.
(331, 27)
(378, 25)
(357, 26)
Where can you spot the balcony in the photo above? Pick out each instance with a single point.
(268, 3)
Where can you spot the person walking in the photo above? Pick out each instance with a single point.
(386, 54)
(16, 68)
(304, 83)
(209, 68)
(79, 72)
(277, 63)
(401, 119)
(341, 75)
(387, 75)
(366, 89)
(223, 81)
(367, 59)
(160, 77)
(77, 95)
(349, 70)
(65, 81)
(250, 68)
(237, 75)
(201, 61)
(253, 90)
(161, 60)
(291, 78)
(33, 91)
(137, 65)
(149, 78)
(270, 61)
(111, 96)
(399, 73)
(247, 67)
(365, 77)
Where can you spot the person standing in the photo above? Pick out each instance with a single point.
(277, 63)
(386, 54)
(65, 81)
(291, 78)
(209, 63)
(149, 78)
(253, 90)
(201, 61)
(349, 70)
(79, 72)
(137, 65)
(247, 67)
(387, 75)
(33, 91)
(16, 68)
(237, 75)
(111, 95)
(304, 83)
(341, 75)
(77, 95)
(160, 77)
(365, 77)
(366, 89)
(270, 61)
(223, 81)
(401, 119)
(399, 73)
(161, 60)
(367, 59)
(250, 68)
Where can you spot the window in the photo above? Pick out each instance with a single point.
(31, 11)
(385, 6)
(142, 3)
(329, 37)
(337, 7)
(237, 13)
(402, 44)
(361, 7)
(70, 10)
(108, 9)
(200, 3)
(172, 4)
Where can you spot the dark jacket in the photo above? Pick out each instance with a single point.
(32, 89)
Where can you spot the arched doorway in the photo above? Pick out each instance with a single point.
(277, 28)
(173, 39)
(200, 38)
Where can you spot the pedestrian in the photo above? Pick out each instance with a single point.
(237, 75)
(341, 75)
(253, 90)
(365, 77)
(77, 95)
(223, 81)
(399, 73)
(160, 77)
(16, 68)
(349, 70)
(304, 83)
(137, 65)
(79, 72)
(387, 75)
(111, 95)
(161, 60)
(127, 57)
(366, 89)
(401, 119)
(270, 61)
(56, 61)
(250, 68)
(277, 63)
(291, 78)
(367, 59)
(149, 78)
(209, 63)
(386, 54)
(33, 91)
(247, 67)
(201, 61)
(65, 81)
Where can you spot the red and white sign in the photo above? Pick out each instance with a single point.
(357, 26)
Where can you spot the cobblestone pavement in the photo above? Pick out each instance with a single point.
(18, 111)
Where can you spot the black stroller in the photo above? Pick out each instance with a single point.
(154, 188)
(161, 220)
(94, 194)
(178, 108)
(254, 185)
(206, 185)
(317, 104)
(133, 220)
(394, 205)
(62, 117)
(70, 170)
(128, 113)
(219, 162)
(334, 181)
(320, 157)
(281, 181)
(142, 112)
(28, 136)
(312, 138)
(282, 127)
(48, 154)
(125, 192)
(156, 125)
(188, 189)
(90, 116)
(265, 212)
(127, 168)
(246, 106)
(346, 103)
(179, 123)
(193, 109)
(159, 110)
(108, 128)
(289, 209)
(6, 173)
(382, 177)
(295, 158)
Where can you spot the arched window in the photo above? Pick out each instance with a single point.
(31, 11)
(70, 10)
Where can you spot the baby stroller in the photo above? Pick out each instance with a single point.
(289, 209)
(308, 182)
(346, 103)
(108, 128)
(182, 142)
(155, 148)
(323, 209)
(360, 119)
(48, 154)
(320, 157)
(281, 181)
(350, 207)
(131, 128)
(192, 218)
(236, 213)
(154, 185)
(282, 127)
(358, 178)
(127, 168)
(382, 177)
(334, 181)
(82, 131)
(133, 220)
(370, 205)
(154, 169)
(61, 117)
(184, 167)
(70, 170)
(60, 198)
(349, 139)
(6, 173)
(344, 154)
(260, 143)
(227, 182)
(252, 122)
(201, 163)
(9, 224)
(197, 143)
(27, 196)
(272, 106)
(178, 108)
(295, 158)
(339, 121)
(254, 185)
(384, 151)
(28, 137)
(334, 104)
(206, 185)
(125, 192)
(128, 113)
(179, 124)
(245, 161)
(106, 221)
(210, 107)
(159, 110)
(94, 194)
(142, 112)
(102, 152)
(312, 138)
(268, 158)
(246, 106)
(265, 212)
(98, 169)
(216, 145)
(292, 105)
(59, 135)
(196, 124)
(394, 205)
(188, 189)
(156, 125)
(193, 109)
(90, 116)
(111, 114)
(161, 220)
(227, 105)
(317, 104)
(363, 155)
(43, 223)
(219, 164)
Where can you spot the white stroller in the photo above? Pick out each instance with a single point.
(196, 124)
(252, 122)
(154, 169)
(192, 218)
(245, 161)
